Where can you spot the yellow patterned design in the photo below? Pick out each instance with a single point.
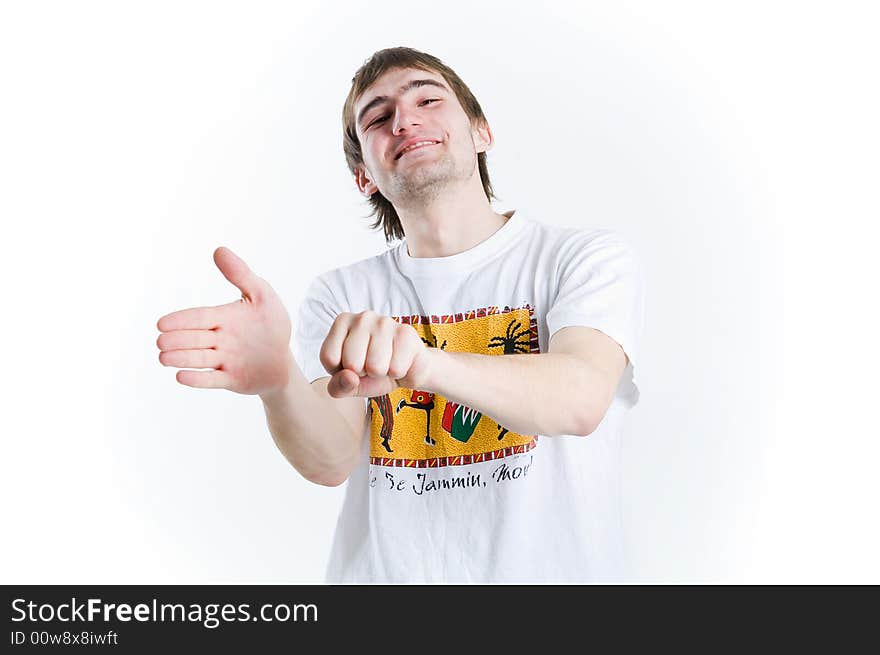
(418, 430)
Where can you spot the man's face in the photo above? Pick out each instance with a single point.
(414, 110)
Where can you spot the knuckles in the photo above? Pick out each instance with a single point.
(325, 358)
(386, 336)
(343, 318)
(365, 319)
(396, 371)
(375, 369)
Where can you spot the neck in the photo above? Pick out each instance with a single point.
(449, 224)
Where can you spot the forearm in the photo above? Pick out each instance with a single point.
(549, 393)
(309, 431)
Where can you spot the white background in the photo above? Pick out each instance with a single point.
(736, 145)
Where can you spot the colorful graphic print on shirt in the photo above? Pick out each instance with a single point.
(416, 428)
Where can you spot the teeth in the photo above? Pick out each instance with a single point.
(415, 145)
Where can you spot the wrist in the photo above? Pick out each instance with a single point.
(434, 367)
(273, 394)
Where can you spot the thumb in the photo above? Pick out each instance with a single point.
(347, 383)
(343, 384)
(237, 272)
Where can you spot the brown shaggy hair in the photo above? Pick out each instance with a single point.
(376, 66)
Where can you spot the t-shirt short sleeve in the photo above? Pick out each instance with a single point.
(601, 284)
(315, 317)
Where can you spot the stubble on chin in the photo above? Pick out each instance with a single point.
(425, 181)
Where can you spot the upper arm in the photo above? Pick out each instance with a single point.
(354, 409)
(604, 355)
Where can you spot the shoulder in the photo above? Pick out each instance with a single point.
(336, 285)
(567, 243)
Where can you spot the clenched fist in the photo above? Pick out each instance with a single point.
(246, 343)
(370, 355)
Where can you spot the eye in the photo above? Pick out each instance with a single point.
(383, 118)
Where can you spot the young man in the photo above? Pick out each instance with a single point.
(469, 384)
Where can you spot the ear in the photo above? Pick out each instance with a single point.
(482, 136)
(364, 184)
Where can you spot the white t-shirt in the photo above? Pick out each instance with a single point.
(443, 493)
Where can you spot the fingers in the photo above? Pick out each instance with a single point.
(205, 358)
(208, 318)
(362, 343)
(380, 348)
(188, 340)
(196, 318)
(205, 379)
(238, 273)
(354, 349)
(366, 354)
(368, 344)
(331, 349)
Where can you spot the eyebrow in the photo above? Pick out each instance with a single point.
(412, 84)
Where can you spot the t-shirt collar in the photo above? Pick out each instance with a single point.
(464, 261)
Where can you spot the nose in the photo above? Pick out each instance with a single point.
(403, 118)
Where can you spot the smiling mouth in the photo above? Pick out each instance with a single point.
(406, 152)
